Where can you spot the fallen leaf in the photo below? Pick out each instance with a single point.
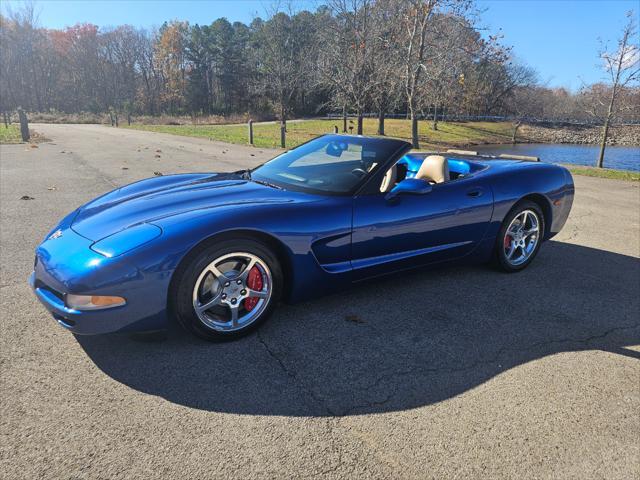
(125, 168)
(353, 319)
(157, 174)
(33, 146)
(158, 151)
(52, 187)
(62, 151)
(252, 154)
(26, 197)
(157, 156)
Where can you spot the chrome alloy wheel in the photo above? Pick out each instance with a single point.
(522, 237)
(232, 291)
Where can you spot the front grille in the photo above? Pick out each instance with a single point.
(43, 286)
(67, 321)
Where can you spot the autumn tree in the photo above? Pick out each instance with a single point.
(171, 59)
(424, 57)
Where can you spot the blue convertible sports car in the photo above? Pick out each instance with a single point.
(219, 251)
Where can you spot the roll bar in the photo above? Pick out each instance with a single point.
(504, 156)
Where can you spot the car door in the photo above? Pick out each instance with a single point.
(414, 230)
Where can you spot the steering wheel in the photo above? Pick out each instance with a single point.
(358, 172)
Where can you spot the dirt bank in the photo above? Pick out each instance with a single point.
(623, 135)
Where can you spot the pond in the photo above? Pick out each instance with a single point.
(619, 158)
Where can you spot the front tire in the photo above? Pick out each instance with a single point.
(520, 237)
(226, 290)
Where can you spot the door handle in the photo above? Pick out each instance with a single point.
(475, 192)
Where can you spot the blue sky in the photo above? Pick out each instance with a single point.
(559, 38)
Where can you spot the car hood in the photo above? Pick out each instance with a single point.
(164, 196)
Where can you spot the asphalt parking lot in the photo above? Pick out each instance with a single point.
(457, 373)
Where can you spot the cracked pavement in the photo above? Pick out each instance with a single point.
(455, 373)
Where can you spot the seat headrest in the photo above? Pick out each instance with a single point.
(434, 168)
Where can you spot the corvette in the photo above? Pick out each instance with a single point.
(218, 252)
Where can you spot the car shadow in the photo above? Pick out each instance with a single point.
(394, 344)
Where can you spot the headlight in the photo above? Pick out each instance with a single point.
(126, 240)
(93, 302)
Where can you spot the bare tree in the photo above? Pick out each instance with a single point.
(386, 88)
(347, 61)
(623, 69)
(24, 58)
(445, 63)
(419, 49)
(285, 49)
(412, 38)
(525, 101)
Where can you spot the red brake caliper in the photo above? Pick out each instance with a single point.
(254, 282)
(507, 241)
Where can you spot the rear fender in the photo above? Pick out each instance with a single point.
(545, 184)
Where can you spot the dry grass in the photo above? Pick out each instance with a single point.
(268, 134)
(61, 117)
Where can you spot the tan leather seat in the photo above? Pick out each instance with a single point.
(389, 180)
(434, 169)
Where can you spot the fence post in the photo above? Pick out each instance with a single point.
(6, 119)
(250, 132)
(24, 125)
(116, 119)
(129, 119)
(335, 129)
(111, 117)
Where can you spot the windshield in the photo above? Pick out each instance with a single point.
(331, 163)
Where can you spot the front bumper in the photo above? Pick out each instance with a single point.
(68, 265)
(88, 322)
(77, 321)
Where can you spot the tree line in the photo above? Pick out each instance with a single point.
(422, 58)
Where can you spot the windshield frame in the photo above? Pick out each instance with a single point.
(403, 147)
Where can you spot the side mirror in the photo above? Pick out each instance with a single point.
(409, 186)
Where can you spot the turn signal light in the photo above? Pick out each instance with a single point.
(93, 302)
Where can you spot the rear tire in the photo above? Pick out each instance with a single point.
(520, 237)
(226, 290)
